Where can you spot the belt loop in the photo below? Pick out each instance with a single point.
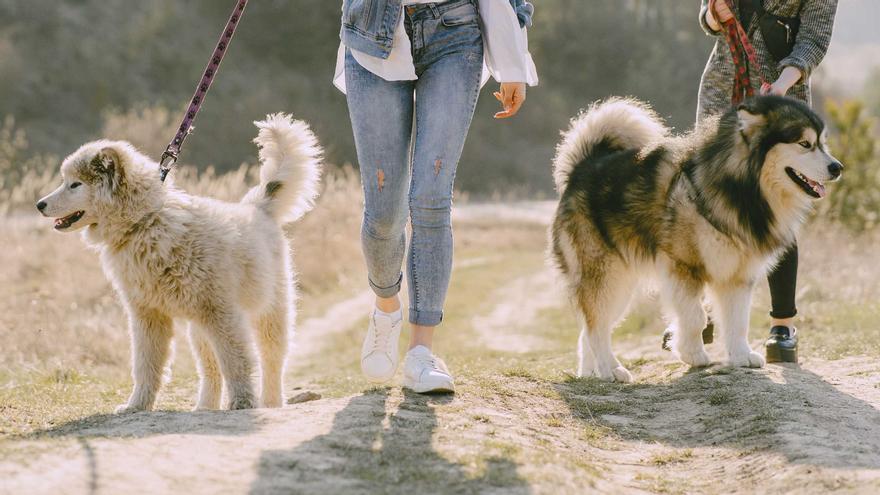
(434, 10)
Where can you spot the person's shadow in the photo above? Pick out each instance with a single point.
(369, 451)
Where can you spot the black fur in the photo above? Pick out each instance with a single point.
(615, 187)
(618, 190)
(273, 187)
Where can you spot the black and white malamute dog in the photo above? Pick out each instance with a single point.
(707, 212)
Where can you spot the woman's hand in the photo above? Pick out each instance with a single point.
(718, 14)
(511, 96)
(788, 78)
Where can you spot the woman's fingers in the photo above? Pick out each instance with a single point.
(511, 96)
(722, 11)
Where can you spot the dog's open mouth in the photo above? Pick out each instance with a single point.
(811, 187)
(65, 222)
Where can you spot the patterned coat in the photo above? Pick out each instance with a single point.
(817, 22)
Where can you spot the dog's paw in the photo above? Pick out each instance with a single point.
(622, 375)
(273, 402)
(617, 374)
(696, 358)
(128, 409)
(751, 359)
(242, 402)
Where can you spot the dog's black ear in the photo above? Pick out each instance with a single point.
(107, 164)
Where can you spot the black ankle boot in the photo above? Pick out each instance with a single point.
(708, 337)
(782, 345)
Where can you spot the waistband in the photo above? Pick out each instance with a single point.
(434, 10)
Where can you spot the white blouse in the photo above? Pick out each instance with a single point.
(506, 54)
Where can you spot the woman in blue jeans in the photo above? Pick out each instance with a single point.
(412, 71)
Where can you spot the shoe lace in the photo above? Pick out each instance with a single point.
(432, 362)
(380, 337)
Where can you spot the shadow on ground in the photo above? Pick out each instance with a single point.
(782, 410)
(89, 431)
(147, 424)
(371, 451)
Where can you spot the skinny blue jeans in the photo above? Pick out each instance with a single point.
(409, 137)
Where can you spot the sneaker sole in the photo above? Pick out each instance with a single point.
(446, 388)
(777, 355)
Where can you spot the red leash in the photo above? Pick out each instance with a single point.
(169, 157)
(744, 57)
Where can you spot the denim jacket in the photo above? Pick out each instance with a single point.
(368, 25)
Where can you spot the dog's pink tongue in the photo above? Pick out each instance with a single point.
(820, 189)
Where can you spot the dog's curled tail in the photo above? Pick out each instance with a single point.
(290, 170)
(613, 125)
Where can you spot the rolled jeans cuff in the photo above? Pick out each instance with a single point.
(389, 291)
(425, 318)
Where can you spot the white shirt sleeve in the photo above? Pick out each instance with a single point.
(506, 56)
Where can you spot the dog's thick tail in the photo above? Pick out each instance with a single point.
(290, 168)
(613, 125)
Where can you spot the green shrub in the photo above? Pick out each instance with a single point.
(855, 200)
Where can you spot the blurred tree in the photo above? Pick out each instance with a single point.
(855, 201)
(872, 92)
(64, 63)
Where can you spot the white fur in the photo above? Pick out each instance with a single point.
(630, 123)
(224, 267)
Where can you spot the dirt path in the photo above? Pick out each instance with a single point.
(705, 432)
(508, 327)
(518, 425)
(313, 333)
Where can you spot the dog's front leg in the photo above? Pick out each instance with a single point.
(151, 333)
(733, 303)
(681, 300)
(586, 358)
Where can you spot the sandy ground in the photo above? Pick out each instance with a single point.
(710, 431)
(813, 428)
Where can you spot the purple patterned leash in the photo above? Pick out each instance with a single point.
(169, 157)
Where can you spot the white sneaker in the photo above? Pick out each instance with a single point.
(380, 352)
(424, 372)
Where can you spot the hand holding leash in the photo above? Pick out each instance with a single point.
(788, 78)
(718, 14)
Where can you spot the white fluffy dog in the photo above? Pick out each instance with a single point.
(224, 267)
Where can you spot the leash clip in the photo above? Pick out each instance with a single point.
(169, 158)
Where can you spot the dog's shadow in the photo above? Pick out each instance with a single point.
(796, 414)
(147, 424)
(370, 450)
(143, 425)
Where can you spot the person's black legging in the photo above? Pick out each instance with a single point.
(783, 285)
